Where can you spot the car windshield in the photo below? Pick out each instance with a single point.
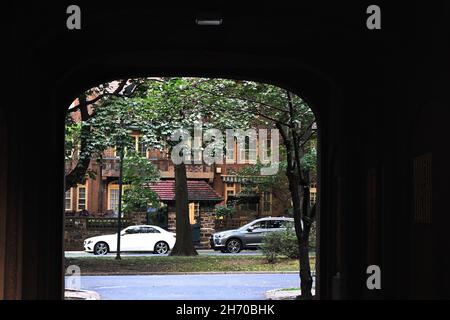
(246, 226)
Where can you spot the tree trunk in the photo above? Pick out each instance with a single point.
(300, 209)
(305, 268)
(184, 245)
(78, 173)
(303, 246)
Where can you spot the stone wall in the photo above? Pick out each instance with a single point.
(77, 229)
(207, 224)
(136, 218)
(171, 220)
(73, 239)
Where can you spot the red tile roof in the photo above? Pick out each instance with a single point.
(197, 191)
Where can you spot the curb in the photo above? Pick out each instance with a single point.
(281, 294)
(72, 294)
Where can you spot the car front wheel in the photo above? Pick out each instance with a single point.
(101, 248)
(234, 246)
(161, 247)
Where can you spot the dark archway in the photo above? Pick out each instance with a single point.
(365, 109)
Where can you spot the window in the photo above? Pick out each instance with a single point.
(249, 206)
(113, 197)
(267, 150)
(148, 230)
(82, 198)
(260, 225)
(267, 201)
(194, 212)
(231, 152)
(230, 190)
(247, 154)
(68, 200)
(132, 230)
(140, 146)
(274, 224)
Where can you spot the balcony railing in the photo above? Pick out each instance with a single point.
(111, 168)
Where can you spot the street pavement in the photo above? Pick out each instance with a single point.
(188, 287)
(202, 252)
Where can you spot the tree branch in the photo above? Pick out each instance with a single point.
(297, 152)
(85, 103)
(242, 99)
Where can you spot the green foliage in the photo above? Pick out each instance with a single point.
(283, 243)
(224, 211)
(138, 173)
(312, 236)
(72, 137)
(162, 105)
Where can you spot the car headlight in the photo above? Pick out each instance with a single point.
(89, 242)
(218, 236)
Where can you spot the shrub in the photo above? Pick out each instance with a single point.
(224, 211)
(283, 243)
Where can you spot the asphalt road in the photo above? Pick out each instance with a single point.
(188, 287)
(79, 254)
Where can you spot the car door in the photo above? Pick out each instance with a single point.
(130, 239)
(275, 226)
(254, 236)
(148, 236)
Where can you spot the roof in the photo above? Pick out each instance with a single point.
(197, 191)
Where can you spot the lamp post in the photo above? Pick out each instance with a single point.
(119, 214)
(128, 91)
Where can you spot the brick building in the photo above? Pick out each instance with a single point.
(99, 196)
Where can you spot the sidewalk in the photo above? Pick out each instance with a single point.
(283, 294)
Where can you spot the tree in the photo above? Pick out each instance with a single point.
(138, 174)
(242, 104)
(87, 137)
(174, 105)
(295, 121)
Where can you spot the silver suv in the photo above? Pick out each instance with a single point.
(249, 236)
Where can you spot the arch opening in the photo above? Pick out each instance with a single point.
(131, 123)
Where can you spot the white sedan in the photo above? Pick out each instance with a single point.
(134, 238)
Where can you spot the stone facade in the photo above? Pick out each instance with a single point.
(172, 219)
(207, 224)
(77, 229)
(136, 218)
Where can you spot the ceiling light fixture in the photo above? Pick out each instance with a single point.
(208, 22)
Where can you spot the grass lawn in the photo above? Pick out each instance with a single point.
(141, 265)
(290, 289)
